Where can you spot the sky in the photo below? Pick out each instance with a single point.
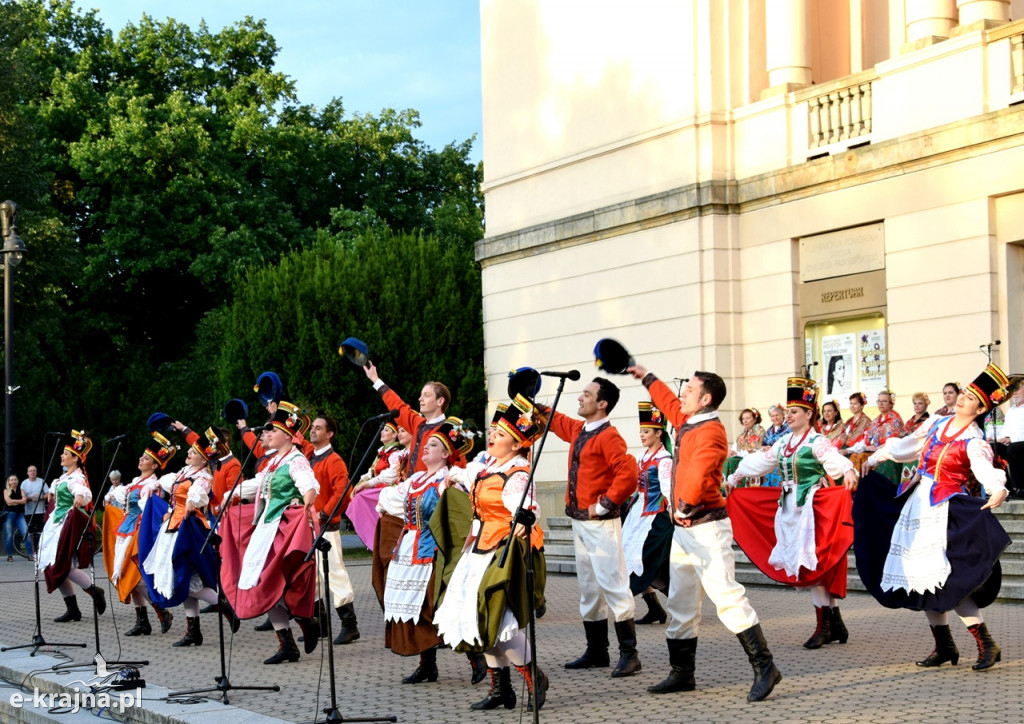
(373, 54)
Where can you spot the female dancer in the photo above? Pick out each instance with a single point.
(265, 543)
(799, 538)
(477, 613)
(61, 556)
(748, 441)
(362, 510)
(409, 589)
(121, 521)
(175, 566)
(647, 531)
(935, 547)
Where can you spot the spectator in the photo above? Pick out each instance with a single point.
(15, 501)
(950, 391)
(831, 423)
(35, 490)
(748, 441)
(921, 402)
(773, 434)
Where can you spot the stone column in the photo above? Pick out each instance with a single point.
(787, 45)
(977, 14)
(929, 21)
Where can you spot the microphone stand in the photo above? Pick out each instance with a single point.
(224, 685)
(527, 518)
(97, 660)
(322, 545)
(992, 416)
(37, 636)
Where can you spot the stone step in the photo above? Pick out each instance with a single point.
(556, 522)
(558, 550)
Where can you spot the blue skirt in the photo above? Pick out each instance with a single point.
(186, 558)
(974, 542)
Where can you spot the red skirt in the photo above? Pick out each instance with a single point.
(285, 573)
(752, 511)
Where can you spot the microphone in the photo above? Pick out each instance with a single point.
(119, 438)
(990, 344)
(389, 415)
(56, 434)
(570, 375)
(260, 428)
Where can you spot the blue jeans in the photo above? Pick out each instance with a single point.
(10, 520)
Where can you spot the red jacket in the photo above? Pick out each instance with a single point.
(223, 477)
(600, 468)
(417, 426)
(332, 474)
(701, 450)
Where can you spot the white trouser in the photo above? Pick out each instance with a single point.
(601, 570)
(702, 562)
(341, 584)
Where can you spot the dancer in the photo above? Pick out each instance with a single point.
(702, 560)
(647, 530)
(935, 546)
(332, 475)
(262, 566)
(121, 522)
(409, 590)
(61, 556)
(486, 607)
(801, 537)
(602, 476)
(362, 510)
(177, 566)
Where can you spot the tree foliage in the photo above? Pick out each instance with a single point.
(156, 168)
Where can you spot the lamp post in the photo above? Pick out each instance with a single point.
(13, 250)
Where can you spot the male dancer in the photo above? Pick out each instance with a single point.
(702, 560)
(332, 474)
(602, 476)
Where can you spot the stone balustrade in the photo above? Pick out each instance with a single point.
(839, 114)
(1017, 62)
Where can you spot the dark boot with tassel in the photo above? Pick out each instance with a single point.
(538, 689)
(287, 650)
(501, 692)
(945, 648)
(988, 650)
(142, 626)
(655, 612)
(72, 614)
(164, 616)
(823, 633)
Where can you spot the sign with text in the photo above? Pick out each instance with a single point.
(839, 253)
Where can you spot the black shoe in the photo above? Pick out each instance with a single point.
(538, 689)
(766, 674)
(210, 608)
(989, 652)
(310, 633)
(99, 600)
(265, 626)
(501, 692)
(193, 635)
(349, 631)
(823, 632)
(229, 614)
(286, 648)
(629, 662)
(655, 612)
(682, 655)
(839, 632)
(72, 614)
(427, 669)
(164, 616)
(142, 626)
(596, 655)
(479, 667)
(945, 648)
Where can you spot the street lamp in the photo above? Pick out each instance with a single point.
(13, 250)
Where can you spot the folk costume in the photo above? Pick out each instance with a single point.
(886, 425)
(63, 551)
(800, 537)
(601, 473)
(332, 475)
(226, 471)
(932, 547)
(853, 428)
(175, 566)
(747, 442)
(647, 529)
(702, 560)
(262, 566)
(121, 522)
(772, 435)
(409, 587)
(362, 510)
(486, 608)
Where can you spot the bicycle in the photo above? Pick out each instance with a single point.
(18, 542)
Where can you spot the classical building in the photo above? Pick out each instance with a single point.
(747, 186)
